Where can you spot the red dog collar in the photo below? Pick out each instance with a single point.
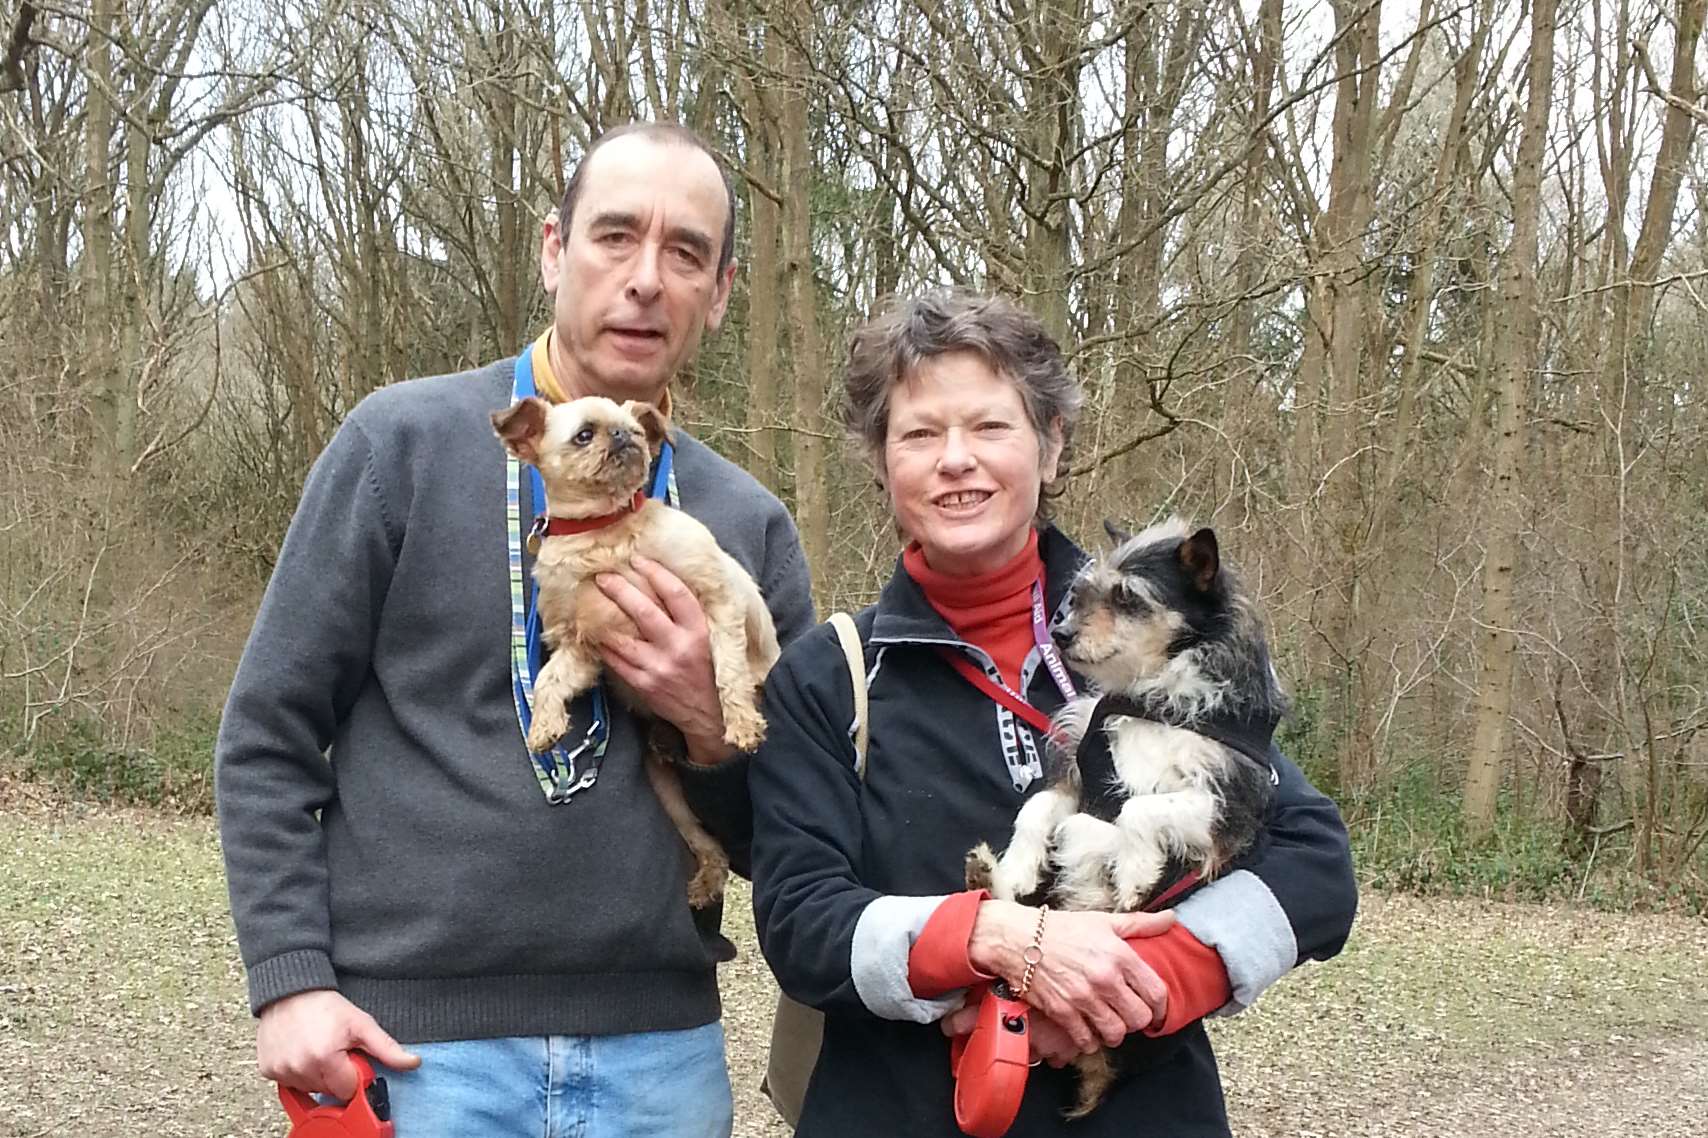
(367, 1115)
(548, 526)
(991, 1064)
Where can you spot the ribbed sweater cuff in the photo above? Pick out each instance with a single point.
(288, 973)
(434, 1009)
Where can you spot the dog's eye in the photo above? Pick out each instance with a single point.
(1130, 600)
(583, 436)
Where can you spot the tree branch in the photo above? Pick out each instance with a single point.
(12, 67)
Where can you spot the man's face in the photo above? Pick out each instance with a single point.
(636, 282)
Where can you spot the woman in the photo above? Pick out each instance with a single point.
(965, 407)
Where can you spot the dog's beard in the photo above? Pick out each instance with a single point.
(586, 484)
(1116, 653)
(624, 463)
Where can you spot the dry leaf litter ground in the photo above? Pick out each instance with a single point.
(121, 1009)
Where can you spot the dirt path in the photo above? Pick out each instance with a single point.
(1655, 1087)
(121, 1009)
(1651, 1087)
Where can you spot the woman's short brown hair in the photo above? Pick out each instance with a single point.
(886, 348)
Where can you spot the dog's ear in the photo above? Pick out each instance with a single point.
(522, 426)
(1116, 534)
(652, 421)
(1201, 559)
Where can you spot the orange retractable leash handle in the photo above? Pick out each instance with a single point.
(990, 1065)
(366, 1115)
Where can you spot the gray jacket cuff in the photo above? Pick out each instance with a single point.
(883, 937)
(1241, 919)
(304, 970)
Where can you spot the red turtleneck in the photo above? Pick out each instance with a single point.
(994, 612)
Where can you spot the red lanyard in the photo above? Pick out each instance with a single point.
(975, 676)
(1000, 692)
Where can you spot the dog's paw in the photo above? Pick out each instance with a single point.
(1017, 882)
(1138, 872)
(1081, 839)
(707, 884)
(744, 729)
(550, 723)
(1134, 889)
(981, 867)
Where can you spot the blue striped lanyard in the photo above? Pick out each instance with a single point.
(567, 769)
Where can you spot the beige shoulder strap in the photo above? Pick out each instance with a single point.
(855, 654)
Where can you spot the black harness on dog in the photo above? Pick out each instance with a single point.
(1100, 794)
(1100, 789)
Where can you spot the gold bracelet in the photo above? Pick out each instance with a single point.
(1034, 954)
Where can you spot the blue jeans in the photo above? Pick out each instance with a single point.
(668, 1084)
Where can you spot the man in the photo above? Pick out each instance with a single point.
(516, 960)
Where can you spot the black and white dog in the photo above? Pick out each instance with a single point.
(1165, 770)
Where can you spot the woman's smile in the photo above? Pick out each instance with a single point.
(963, 464)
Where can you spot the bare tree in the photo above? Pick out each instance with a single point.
(1516, 353)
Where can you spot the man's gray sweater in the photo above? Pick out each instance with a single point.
(383, 829)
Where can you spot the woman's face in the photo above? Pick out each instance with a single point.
(963, 465)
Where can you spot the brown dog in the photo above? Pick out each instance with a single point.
(593, 456)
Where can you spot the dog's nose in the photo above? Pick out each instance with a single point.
(620, 437)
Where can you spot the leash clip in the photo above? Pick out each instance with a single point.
(572, 780)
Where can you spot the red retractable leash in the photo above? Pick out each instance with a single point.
(366, 1115)
(990, 1064)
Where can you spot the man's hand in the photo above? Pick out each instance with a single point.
(304, 1042)
(1089, 981)
(669, 665)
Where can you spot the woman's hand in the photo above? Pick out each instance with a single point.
(1050, 1044)
(962, 1020)
(1088, 980)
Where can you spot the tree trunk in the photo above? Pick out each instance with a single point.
(1264, 58)
(1624, 378)
(1324, 473)
(1515, 329)
(1050, 111)
(812, 510)
(514, 258)
(136, 280)
(100, 361)
(765, 285)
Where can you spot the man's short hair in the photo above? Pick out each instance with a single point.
(671, 134)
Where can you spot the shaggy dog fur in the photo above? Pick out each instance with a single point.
(1165, 770)
(593, 457)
